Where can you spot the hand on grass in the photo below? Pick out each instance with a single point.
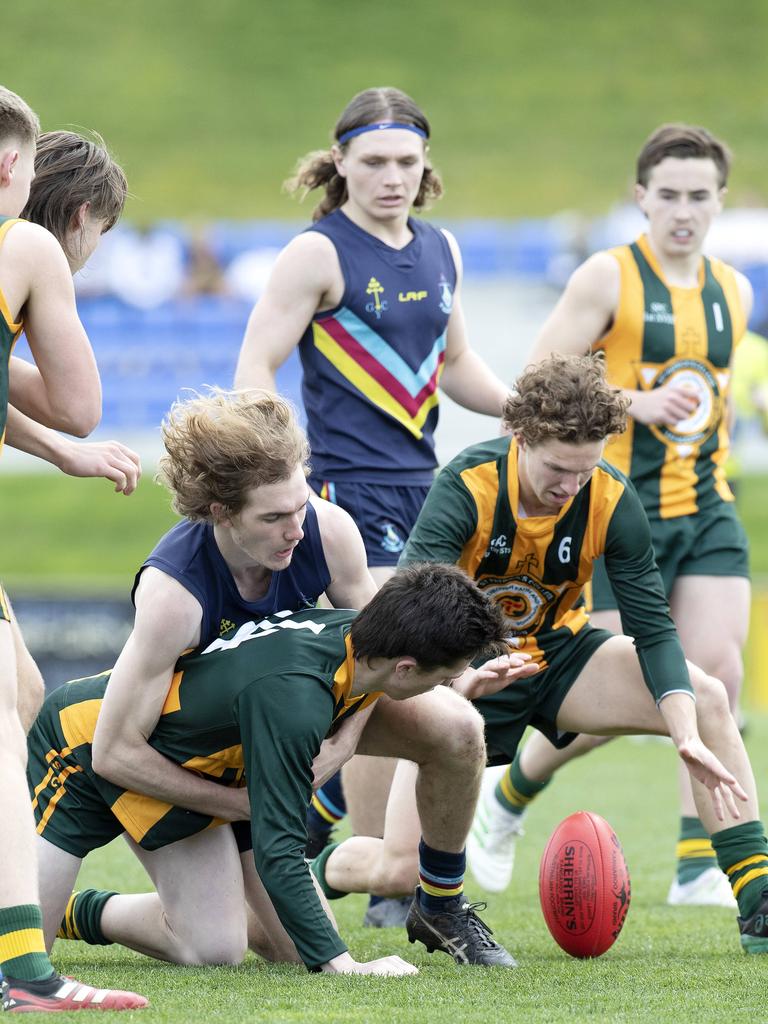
(388, 965)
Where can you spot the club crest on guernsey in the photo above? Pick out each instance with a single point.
(377, 306)
(446, 296)
(390, 539)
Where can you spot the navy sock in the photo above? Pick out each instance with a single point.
(327, 807)
(441, 877)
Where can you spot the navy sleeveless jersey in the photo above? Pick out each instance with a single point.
(372, 364)
(189, 553)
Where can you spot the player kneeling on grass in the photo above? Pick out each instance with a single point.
(526, 515)
(257, 707)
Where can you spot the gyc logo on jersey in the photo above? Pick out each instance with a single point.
(378, 305)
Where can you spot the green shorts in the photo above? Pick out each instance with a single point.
(709, 543)
(78, 811)
(536, 701)
(71, 810)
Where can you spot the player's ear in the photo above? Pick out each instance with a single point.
(80, 216)
(7, 164)
(220, 514)
(338, 158)
(405, 665)
(640, 193)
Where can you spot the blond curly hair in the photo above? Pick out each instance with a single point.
(222, 444)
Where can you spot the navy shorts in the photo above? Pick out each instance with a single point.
(384, 514)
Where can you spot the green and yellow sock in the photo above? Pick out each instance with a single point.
(318, 870)
(694, 851)
(82, 918)
(742, 853)
(22, 944)
(514, 791)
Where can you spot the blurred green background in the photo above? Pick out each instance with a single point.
(535, 107)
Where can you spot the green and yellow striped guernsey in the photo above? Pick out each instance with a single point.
(660, 334)
(537, 567)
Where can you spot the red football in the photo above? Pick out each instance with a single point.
(584, 885)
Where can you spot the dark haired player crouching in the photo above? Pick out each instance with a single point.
(257, 707)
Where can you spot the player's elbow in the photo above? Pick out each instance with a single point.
(107, 758)
(83, 419)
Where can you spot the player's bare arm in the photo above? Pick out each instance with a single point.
(62, 390)
(351, 583)
(583, 315)
(168, 621)
(466, 378)
(584, 311)
(109, 459)
(306, 277)
(679, 713)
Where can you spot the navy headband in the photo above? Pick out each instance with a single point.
(379, 126)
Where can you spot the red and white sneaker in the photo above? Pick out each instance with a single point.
(59, 994)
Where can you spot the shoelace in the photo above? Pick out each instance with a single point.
(478, 926)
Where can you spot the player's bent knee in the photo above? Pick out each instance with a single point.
(214, 951)
(461, 732)
(206, 944)
(711, 697)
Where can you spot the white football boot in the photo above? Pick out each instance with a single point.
(491, 840)
(709, 889)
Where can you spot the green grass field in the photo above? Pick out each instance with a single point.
(669, 965)
(535, 108)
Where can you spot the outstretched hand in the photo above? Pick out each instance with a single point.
(495, 674)
(724, 788)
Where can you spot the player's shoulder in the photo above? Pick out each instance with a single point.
(335, 525)
(309, 258)
(25, 237)
(158, 590)
(607, 470)
(181, 545)
(609, 482)
(168, 615)
(599, 270)
(332, 520)
(480, 454)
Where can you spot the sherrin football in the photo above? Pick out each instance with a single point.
(584, 885)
